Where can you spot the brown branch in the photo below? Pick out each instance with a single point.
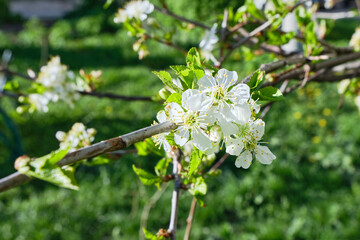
(245, 39)
(176, 154)
(298, 73)
(167, 43)
(180, 18)
(94, 150)
(189, 219)
(115, 96)
(270, 67)
(12, 73)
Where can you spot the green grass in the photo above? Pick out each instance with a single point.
(311, 191)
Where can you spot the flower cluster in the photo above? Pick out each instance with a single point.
(77, 137)
(355, 40)
(218, 110)
(54, 83)
(134, 9)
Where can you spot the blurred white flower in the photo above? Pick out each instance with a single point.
(207, 44)
(355, 40)
(134, 9)
(77, 137)
(160, 139)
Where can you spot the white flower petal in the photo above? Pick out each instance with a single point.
(227, 127)
(234, 146)
(206, 83)
(264, 155)
(201, 140)
(194, 100)
(244, 160)
(239, 93)
(226, 78)
(242, 113)
(176, 113)
(181, 136)
(167, 146)
(257, 129)
(161, 116)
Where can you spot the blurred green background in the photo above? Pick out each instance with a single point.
(311, 191)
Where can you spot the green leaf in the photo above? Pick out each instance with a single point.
(256, 80)
(174, 97)
(252, 9)
(193, 59)
(108, 3)
(45, 168)
(149, 235)
(195, 160)
(162, 166)
(99, 160)
(276, 38)
(268, 94)
(147, 147)
(199, 187)
(170, 139)
(165, 77)
(146, 177)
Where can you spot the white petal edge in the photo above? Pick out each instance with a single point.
(264, 155)
(244, 160)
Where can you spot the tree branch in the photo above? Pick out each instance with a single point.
(189, 219)
(115, 96)
(176, 154)
(180, 18)
(94, 150)
(167, 43)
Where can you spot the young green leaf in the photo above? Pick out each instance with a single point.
(165, 77)
(174, 97)
(161, 166)
(268, 94)
(256, 80)
(195, 160)
(147, 147)
(146, 177)
(45, 168)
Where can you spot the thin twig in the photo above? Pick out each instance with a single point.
(218, 163)
(12, 73)
(115, 96)
(167, 43)
(223, 32)
(176, 154)
(96, 149)
(180, 18)
(245, 39)
(149, 205)
(189, 219)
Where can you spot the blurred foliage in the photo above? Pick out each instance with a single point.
(310, 192)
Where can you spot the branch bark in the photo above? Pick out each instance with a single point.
(175, 195)
(115, 96)
(109, 145)
(180, 18)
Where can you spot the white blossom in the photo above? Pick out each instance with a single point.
(245, 144)
(355, 40)
(191, 125)
(160, 139)
(76, 138)
(207, 44)
(56, 80)
(226, 101)
(134, 9)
